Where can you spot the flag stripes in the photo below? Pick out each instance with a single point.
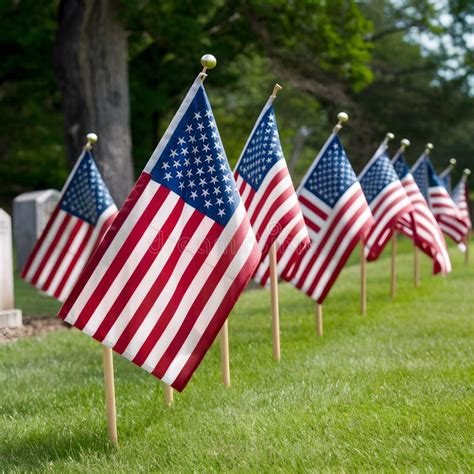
(71, 236)
(180, 252)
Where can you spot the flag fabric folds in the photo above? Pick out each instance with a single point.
(337, 216)
(82, 216)
(387, 199)
(267, 191)
(420, 224)
(461, 199)
(177, 257)
(443, 207)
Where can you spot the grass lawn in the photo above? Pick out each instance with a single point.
(391, 391)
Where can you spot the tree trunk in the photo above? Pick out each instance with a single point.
(91, 55)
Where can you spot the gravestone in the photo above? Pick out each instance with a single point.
(9, 317)
(31, 212)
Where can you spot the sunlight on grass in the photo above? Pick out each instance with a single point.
(391, 391)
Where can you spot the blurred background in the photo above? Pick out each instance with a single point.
(121, 67)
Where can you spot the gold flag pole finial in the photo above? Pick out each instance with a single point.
(389, 136)
(91, 139)
(208, 61)
(276, 89)
(452, 162)
(404, 144)
(428, 148)
(342, 117)
(467, 171)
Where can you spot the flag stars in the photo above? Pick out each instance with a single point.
(197, 116)
(200, 126)
(181, 141)
(173, 153)
(207, 204)
(221, 212)
(203, 137)
(194, 195)
(168, 176)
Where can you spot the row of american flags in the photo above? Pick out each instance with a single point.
(156, 279)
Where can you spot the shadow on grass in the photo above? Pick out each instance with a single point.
(36, 451)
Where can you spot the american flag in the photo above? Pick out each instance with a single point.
(387, 199)
(337, 216)
(420, 224)
(84, 213)
(461, 199)
(267, 191)
(177, 257)
(442, 205)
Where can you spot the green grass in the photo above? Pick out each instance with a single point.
(392, 391)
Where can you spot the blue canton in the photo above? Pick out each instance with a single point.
(86, 195)
(332, 175)
(194, 164)
(379, 175)
(401, 166)
(419, 174)
(433, 178)
(262, 152)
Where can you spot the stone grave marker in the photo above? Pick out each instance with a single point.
(9, 317)
(31, 212)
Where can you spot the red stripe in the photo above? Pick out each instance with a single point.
(342, 262)
(127, 207)
(328, 233)
(51, 249)
(147, 261)
(216, 275)
(311, 225)
(62, 254)
(74, 261)
(40, 241)
(187, 278)
(104, 229)
(312, 207)
(217, 321)
(283, 173)
(386, 197)
(250, 197)
(122, 255)
(331, 253)
(154, 292)
(278, 228)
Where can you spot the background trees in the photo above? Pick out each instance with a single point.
(404, 66)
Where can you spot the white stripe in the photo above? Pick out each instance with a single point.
(348, 195)
(86, 253)
(336, 257)
(246, 192)
(53, 257)
(328, 246)
(41, 251)
(109, 255)
(206, 315)
(321, 205)
(193, 289)
(283, 184)
(141, 249)
(71, 252)
(153, 273)
(274, 222)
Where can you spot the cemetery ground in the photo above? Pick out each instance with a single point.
(393, 390)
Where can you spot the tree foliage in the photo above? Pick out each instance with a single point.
(404, 66)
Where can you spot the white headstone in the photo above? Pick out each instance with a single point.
(31, 212)
(9, 317)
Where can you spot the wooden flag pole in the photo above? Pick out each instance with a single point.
(416, 266)
(363, 281)
(168, 392)
(274, 303)
(225, 364)
(110, 394)
(467, 173)
(319, 319)
(394, 266)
